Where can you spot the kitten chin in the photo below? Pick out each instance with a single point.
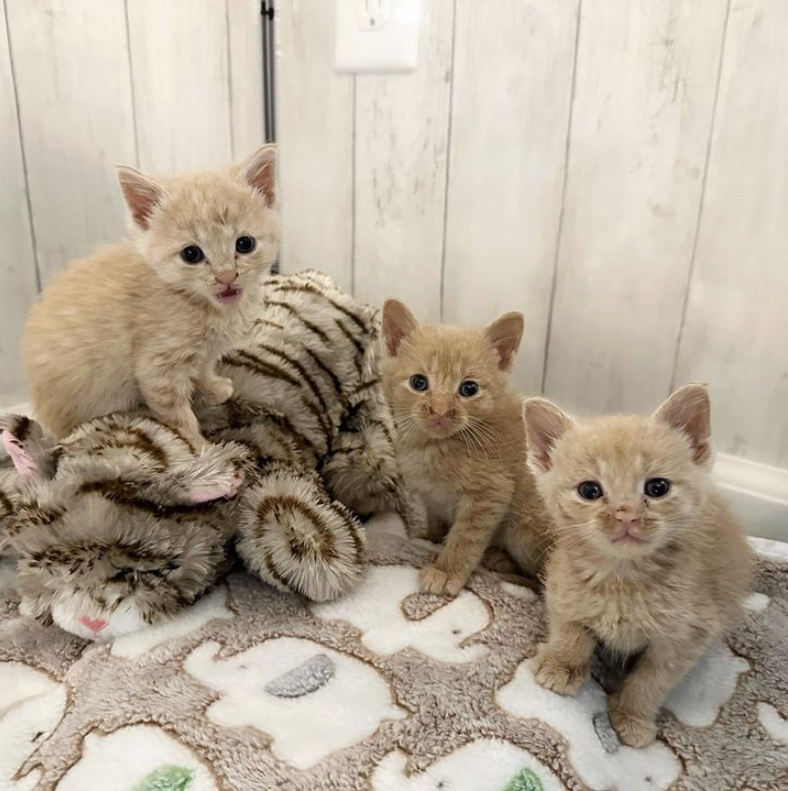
(146, 320)
(460, 440)
(645, 557)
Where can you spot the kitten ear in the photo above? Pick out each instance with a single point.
(398, 323)
(505, 334)
(689, 410)
(545, 424)
(260, 171)
(141, 193)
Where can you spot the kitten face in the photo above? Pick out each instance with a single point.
(212, 235)
(628, 485)
(443, 380)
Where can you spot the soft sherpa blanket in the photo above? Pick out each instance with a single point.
(384, 690)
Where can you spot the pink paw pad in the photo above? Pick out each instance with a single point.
(23, 461)
(218, 492)
(94, 624)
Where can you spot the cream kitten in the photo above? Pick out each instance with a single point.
(460, 440)
(148, 320)
(647, 556)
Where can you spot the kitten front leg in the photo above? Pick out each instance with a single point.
(633, 710)
(476, 521)
(214, 389)
(168, 395)
(564, 661)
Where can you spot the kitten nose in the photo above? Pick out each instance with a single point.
(226, 278)
(626, 517)
(441, 410)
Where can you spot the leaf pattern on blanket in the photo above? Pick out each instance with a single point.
(166, 778)
(525, 780)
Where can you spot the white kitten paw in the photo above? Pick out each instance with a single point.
(432, 580)
(633, 731)
(555, 674)
(216, 391)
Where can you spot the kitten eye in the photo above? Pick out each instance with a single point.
(590, 490)
(192, 254)
(245, 244)
(419, 383)
(656, 487)
(469, 388)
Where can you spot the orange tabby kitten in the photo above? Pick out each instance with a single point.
(460, 440)
(148, 320)
(647, 555)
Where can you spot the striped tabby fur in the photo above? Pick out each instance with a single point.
(122, 524)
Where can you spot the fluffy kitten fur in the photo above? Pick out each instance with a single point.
(134, 322)
(665, 574)
(464, 455)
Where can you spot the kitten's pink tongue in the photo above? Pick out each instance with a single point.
(230, 294)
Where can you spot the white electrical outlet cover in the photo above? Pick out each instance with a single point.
(376, 35)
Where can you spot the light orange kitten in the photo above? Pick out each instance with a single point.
(647, 556)
(460, 440)
(147, 320)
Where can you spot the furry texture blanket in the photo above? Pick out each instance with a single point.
(384, 689)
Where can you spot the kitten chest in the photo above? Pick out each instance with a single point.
(625, 615)
(422, 475)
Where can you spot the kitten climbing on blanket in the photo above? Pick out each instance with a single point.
(647, 557)
(461, 443)
(147, 320)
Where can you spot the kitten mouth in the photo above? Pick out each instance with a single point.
(229, 295)
(628, 538)
(439, 425)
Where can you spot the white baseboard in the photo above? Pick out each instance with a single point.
(758, 494)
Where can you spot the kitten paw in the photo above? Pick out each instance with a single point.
(217, 391)
(558, 676)
(499, 561)
(432, 580)
(632, 730)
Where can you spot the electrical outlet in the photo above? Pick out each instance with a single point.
(376, 35)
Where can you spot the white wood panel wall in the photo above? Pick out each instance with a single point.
(644, 98)
(18, 276)
(70, 60)
(88, 84)
(402, 139)
(510, 115)
(315, 133)
(616, 169)
(736, 328)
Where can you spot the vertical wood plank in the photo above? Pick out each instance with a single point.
(245, 39)
(644, 97)
(510, 112)
(180, 70)
(736, 328)
(71, 65)
(17, 254)
(315, 137)
(400, 180)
